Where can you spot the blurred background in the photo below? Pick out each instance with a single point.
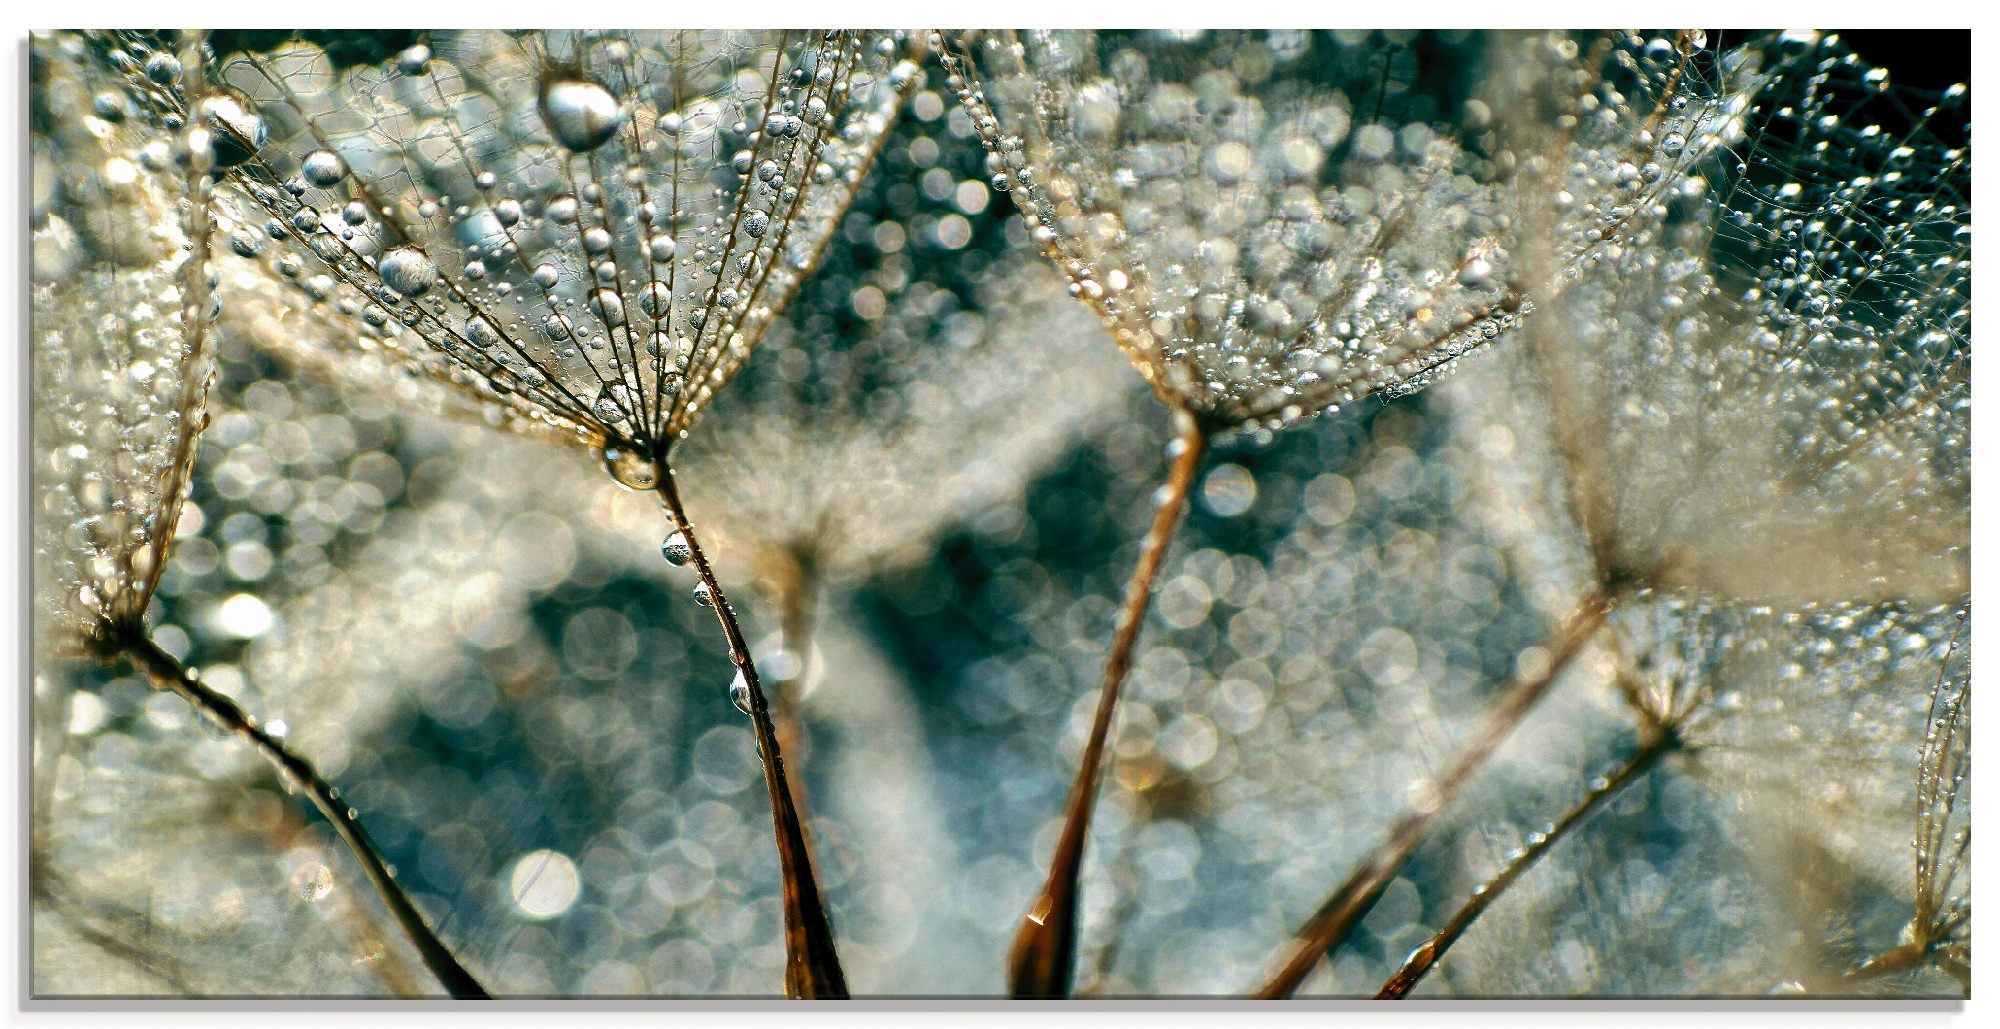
(475, 637)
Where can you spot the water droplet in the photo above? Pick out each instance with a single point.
(702, 596)
(312, 882)
(236, 130)
(606, 304)
(246, 243)
(407, 271)
(481, 332)
(676, 550)
(164, 68)
(546, 276)
(323, 168)
(739, 692)
(755, 223)
(580, 114)
(655, 300)
(631, 469)
(414, 60)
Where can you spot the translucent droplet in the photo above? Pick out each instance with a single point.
(702, 596)
(507, 212)
(312, 881)
(546, 276)
(676, 550)
(164, 68)
(755, 223)
(407, 271)
(414, 60)
(323, 168)
(481, 333)
(580, 114)
(655, 300)
(632, 470)
(236, 129)
(246, 243)
(739, 692)
(606, 304)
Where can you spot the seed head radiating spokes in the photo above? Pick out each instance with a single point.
(1259, 252)
(586, 231)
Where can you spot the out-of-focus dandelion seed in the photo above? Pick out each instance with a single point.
(125, 364)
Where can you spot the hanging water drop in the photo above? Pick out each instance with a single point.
(164, 68)
(606, 304)
(739, 692)
(414, 60)
(631, 469)
(481, 333)
(407, 271)
(676, 550)
(580, 114)
(323, 168)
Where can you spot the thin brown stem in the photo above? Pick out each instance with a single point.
(167, 673)
(812, 965)
(1426, 956)
(1334, 922)
(1042, 961)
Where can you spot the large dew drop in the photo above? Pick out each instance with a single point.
(407, 271)
(676, 550)
(580, 114)
(632, 469)
(323, 168)
(739, 692)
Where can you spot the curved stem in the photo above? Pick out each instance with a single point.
(1334, 922)
(1426, 956)
(1042, 961)
(222, 712)
(812, 965)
